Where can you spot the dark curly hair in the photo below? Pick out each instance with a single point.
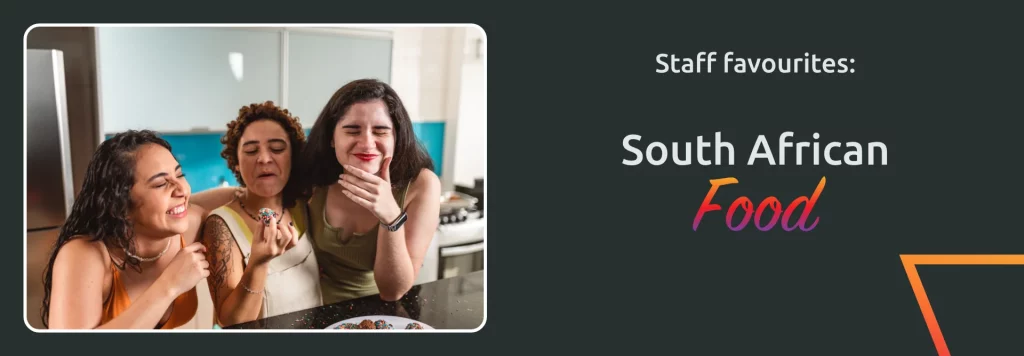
(267, 111)
(102, 208)
(409, 157)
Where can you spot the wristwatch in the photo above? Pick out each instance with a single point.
(397, 224)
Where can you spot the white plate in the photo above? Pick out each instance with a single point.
(397, 322)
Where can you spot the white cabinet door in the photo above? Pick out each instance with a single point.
(180, 79)
(320, 63)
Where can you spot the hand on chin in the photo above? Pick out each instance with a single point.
(371, 167)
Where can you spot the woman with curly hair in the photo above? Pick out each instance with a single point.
(127, 256)
(262, 262)
(375, 199)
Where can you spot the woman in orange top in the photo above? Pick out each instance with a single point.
(127, 256)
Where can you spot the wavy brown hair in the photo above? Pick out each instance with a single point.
(102, 208)
(296, 137)
(409, 158)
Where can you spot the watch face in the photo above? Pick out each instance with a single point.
(398, 223)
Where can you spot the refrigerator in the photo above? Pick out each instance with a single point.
(49, 191)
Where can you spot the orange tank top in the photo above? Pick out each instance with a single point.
(182, 310)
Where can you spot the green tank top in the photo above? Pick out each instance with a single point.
(346, 269)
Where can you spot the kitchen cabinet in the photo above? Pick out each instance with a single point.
(37, 248)
(186, 79)
(321, 62)
(179, 79)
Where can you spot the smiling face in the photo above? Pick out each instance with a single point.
(160, 194)
(264, 158)
(364, 136)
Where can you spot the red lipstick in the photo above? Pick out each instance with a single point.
(366, 157)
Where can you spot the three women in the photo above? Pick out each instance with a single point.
(356, 221)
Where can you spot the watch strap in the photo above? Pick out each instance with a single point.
(397, 224)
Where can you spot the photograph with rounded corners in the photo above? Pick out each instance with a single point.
(255, 178)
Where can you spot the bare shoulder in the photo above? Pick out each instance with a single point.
(426, 181)
(196, 216)
(216, 233)
(215, 225)
(81, 254)
(81, 281)
(426, 184)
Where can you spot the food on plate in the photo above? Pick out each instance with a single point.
(381, 324)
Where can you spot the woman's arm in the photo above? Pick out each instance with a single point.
(213, 198)
(76, 299)
(232, 304)
(400, 253)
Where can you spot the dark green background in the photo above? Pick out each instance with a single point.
(587, 254)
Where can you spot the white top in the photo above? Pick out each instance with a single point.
(293, 278)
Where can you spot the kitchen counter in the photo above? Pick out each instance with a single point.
(450, 303)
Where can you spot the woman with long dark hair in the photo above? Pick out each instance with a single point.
(127, 256)
(375, 199)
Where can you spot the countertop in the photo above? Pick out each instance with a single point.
(450, 303)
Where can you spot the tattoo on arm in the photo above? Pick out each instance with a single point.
(219, 240)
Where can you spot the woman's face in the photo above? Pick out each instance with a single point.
(265, 158)
(364, 136)
(160, 193)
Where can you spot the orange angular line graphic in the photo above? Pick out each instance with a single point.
(910, 263)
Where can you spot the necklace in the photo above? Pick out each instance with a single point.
(264, 213)
(149, 259)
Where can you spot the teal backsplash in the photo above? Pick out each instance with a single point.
(199, 154)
